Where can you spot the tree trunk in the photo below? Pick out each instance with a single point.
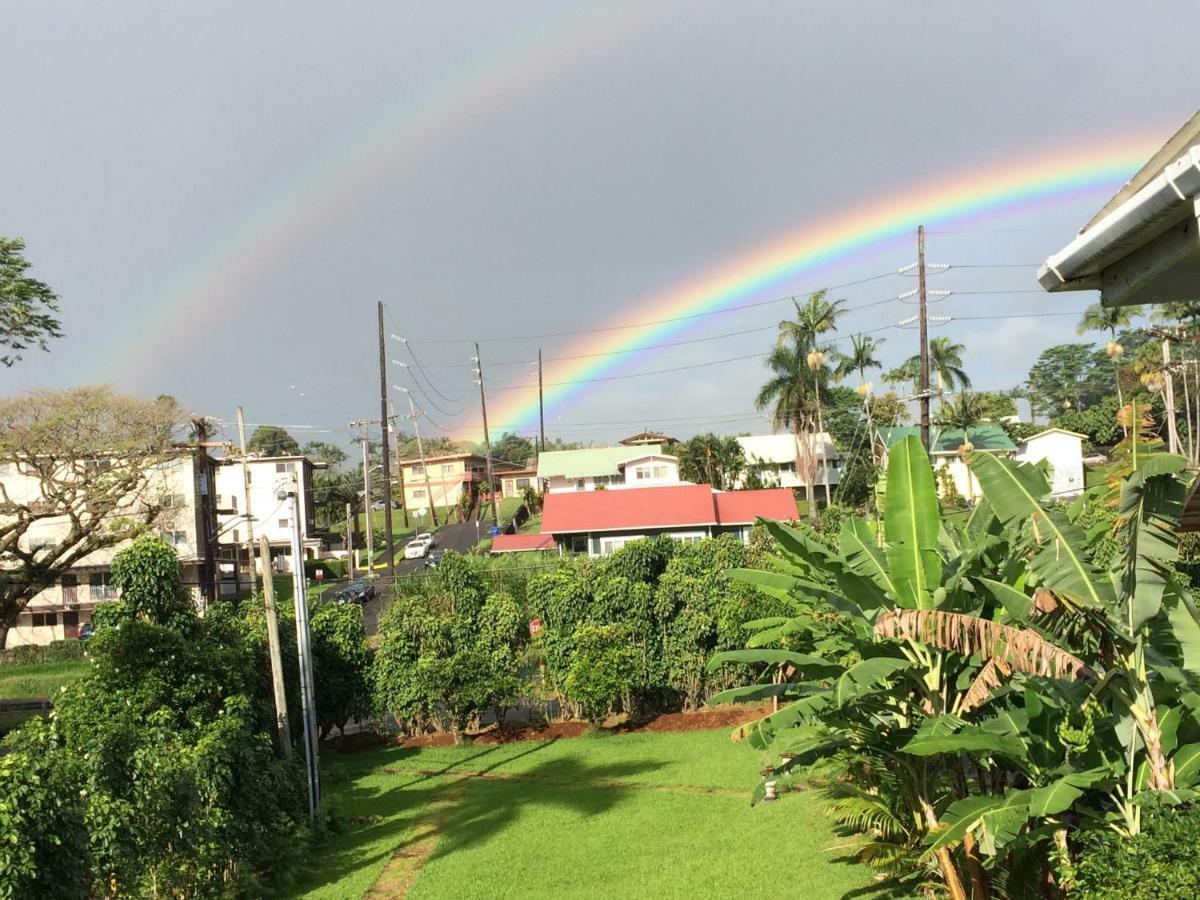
(979, 881)
(1162, 774)
(4, 627)
(949, 872)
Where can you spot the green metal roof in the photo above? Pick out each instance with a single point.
(589, 462)
(983, 437)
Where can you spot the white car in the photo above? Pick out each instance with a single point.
(427, 538)
(416, 549)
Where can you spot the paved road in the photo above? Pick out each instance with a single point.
(459, 538)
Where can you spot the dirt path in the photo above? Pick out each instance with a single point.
(402, 869)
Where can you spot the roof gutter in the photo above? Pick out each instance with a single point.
(1077, 266)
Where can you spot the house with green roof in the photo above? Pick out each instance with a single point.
(607, 467)
(948, 447)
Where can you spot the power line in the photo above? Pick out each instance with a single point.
(711, 312)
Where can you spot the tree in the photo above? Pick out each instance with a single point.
(271, 440)
(27, 306)
(799, 381)
(963, 412)
(997, 405)
(1109, 318)
(512, 448)
(711, 459)
(321, 451)
(1069, 376)
(89, 472)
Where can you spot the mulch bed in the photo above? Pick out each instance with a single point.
(699, 720)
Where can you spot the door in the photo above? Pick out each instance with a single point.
(70, 626)
(70, 590)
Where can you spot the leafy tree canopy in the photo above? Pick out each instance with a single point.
(27, 306)
(512, 448)
(271, 440)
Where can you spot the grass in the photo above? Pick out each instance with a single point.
(532, 525)
(637, 815)
(40, 679)
(508, 508)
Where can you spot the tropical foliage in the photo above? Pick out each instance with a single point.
(982, 694)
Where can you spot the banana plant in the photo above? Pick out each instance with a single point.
(959, 675)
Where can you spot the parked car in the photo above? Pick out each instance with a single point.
(416, 549)
(427, 537)
(354, 592)
(1095, 459)
(434, 557)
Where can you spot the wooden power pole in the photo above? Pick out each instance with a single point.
(487, 441)
(923, 326)
(283, 732)
(387, 463)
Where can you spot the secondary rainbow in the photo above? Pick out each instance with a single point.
(252, 248)
(1056, 175)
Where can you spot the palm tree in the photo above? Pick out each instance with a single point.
(964, 412)
(1109, 318)
(814, 318)
(799, 340)
(792, 395)
(860, 358)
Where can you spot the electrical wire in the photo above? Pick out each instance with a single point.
(713, 312)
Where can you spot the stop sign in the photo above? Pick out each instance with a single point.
(535, 627)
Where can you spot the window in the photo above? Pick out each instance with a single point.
(579, 544)
(418, 493)
(285, 523)
(176, 538)
(236, 538)
(285, 467)
(447, 468)
(171, 501)
(687, 538)
(660, 472)
(522, 483)
(45, 620)
(580, 484)
(99, 588)
(418, 471)
(233, 502)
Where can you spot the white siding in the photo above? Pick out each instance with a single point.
(1063, 452)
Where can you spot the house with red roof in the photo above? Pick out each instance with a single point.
(601, 522)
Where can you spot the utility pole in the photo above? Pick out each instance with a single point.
(208, 514)
(349, 543)
(1168, 399)
(370, 512)
(487, 441)
(541, 404)
(412, 410)
(241, 420)
(923, 387)
(283, 731)
(304, 651)
(387, 465)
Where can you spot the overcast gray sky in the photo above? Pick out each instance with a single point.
(220, 192)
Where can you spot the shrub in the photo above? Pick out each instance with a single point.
(63, 651)
(1158, 864)
(601, 671)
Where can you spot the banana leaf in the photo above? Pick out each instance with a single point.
(911, 524)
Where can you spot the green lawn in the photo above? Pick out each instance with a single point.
(532, 525)
(638, 815)
(508, 508)
(40, 679)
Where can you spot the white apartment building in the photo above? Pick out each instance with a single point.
(263, 513)
(175, 494)
(612, 468)
(773, 456)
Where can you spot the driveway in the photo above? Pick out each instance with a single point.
(460, 538)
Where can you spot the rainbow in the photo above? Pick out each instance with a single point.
(301, 207)
(1055, 175)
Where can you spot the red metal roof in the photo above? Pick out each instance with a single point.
(512, 543)
(675, 506)
(745, 507)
